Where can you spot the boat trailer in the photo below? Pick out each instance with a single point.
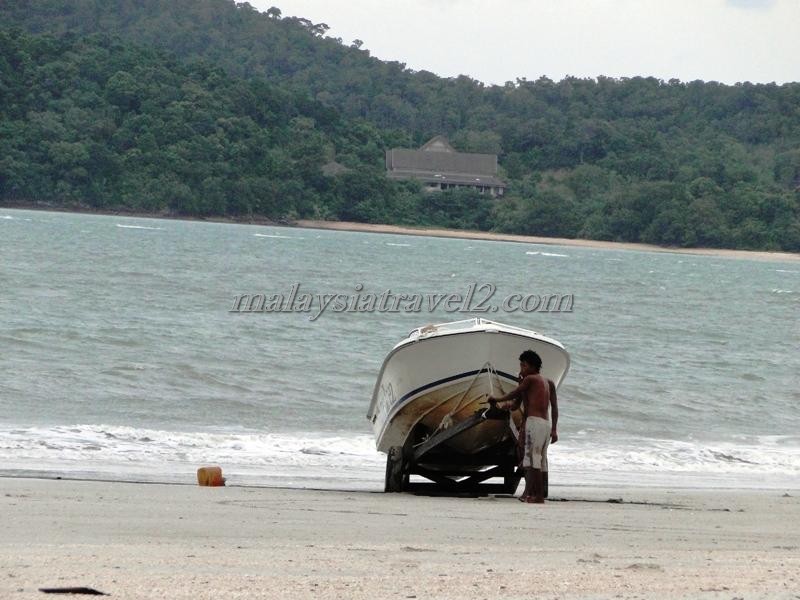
(452, 473)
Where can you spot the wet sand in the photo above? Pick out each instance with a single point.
(183, 541)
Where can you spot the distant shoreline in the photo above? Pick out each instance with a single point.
(144, 215)
(530, 239)
(762, 255)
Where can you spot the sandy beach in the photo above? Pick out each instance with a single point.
(530, 239)
(434, 232)
(181, 541)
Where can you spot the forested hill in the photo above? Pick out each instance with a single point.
(205, 107)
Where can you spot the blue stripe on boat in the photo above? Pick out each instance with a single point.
(448, 380)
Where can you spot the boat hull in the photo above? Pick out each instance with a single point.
(435, 379)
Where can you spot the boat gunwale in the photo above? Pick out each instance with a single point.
(499, 328)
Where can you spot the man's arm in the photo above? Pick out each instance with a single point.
(516, 394)
(554, 411)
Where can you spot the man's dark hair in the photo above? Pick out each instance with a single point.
(533, 359)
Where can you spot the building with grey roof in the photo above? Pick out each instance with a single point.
(439, 167)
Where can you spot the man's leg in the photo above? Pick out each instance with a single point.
(526, 462)
(545, 469)
(537, 493)
(538, 459)
(528, 484)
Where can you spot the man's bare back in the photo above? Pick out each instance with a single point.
(536, 396)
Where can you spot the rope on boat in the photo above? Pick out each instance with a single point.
(447, 420)
(511, 425)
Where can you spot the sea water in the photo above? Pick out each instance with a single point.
(121, 357)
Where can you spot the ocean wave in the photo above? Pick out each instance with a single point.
(156, 449)
(138, 227)
(300, 457)
(276, 236)
(673, 456)
(534, 253)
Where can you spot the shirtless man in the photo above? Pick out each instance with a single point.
(538, 394)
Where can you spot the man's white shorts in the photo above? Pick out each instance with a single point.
(537, 439)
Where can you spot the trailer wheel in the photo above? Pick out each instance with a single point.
(396, 478)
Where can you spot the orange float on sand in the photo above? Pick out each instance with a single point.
(210, 476)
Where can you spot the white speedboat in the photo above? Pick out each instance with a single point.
(429, 410)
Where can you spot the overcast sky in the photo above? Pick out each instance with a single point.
(499, 40)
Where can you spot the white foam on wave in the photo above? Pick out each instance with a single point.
(7, 217)
(138, 227)
(785, 271)
(399, 245)
(161, 455)
(765, 463)
(275, 236)
(534, 253)
(350, 459)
